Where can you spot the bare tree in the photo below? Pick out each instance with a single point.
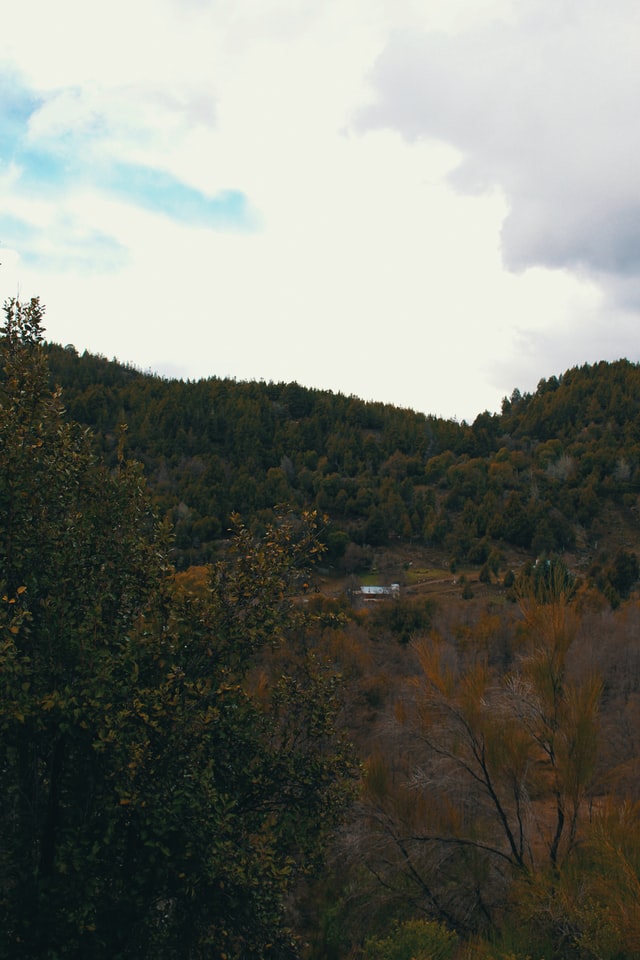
(490, 772)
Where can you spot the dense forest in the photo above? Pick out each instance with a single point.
(213, 745)
(555, 472)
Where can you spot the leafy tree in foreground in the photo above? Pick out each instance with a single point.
(168, 772)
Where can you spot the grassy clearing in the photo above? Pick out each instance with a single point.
(419, 574)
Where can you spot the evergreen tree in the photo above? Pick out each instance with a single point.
(169, 770)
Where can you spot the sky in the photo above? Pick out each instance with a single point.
(428, 203)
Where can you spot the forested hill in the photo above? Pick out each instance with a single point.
(556, 470)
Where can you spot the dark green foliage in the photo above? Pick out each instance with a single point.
(617, 577)
(624, 572)
(548, 580)
(467, 591)
(170, 765)
(216, 446)
(337, 542)
(405, 618)
(550, 464)
(376, 531)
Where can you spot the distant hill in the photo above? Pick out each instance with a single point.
(556, 471)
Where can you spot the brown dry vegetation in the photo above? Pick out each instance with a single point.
(417, 783)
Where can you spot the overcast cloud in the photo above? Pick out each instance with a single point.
(543, 105)
(427, 203)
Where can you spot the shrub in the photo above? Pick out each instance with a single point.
(413, 940)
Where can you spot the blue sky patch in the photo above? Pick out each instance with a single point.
(66, 245)
(160, 192)
(52, 168)
(17, 104)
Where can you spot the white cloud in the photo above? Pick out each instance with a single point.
(375, 267)
(543, 106)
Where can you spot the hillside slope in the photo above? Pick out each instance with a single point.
(555, 471)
